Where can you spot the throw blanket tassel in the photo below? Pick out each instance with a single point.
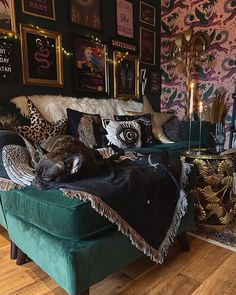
(106, 211)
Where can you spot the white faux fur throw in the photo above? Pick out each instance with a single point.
(53, 107)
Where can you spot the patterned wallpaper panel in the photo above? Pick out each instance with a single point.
(218, 18)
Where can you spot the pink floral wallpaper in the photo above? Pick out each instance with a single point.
(218, 18)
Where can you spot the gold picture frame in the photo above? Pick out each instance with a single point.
(41, 52)
(49, 5)
(126, 75)
(7, 17)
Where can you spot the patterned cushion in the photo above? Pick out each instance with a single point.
(87, 127)
(174, 129)
(40, 128)
(8, 137)
(146, 126)
(16, 161)
(123, 134)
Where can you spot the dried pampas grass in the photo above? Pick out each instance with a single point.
(217, 110)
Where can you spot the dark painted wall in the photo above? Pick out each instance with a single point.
(62, 25)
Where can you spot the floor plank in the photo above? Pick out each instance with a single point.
(206, 269)
(222, 281)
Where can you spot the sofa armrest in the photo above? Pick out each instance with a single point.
(206, 136)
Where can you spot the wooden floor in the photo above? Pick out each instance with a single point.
(205, 270)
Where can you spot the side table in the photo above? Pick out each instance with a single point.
(212, 190)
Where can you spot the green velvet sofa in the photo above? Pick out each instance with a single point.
(70, 241)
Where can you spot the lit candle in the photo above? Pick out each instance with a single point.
(191, 98)
(200, 107)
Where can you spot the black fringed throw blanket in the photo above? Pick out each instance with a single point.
(141, 196)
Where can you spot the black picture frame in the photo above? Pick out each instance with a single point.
(90, 65)
(147, 46)
(147, 14)
(41, 52)
(87, 16)
(8, 63)
(45, 9)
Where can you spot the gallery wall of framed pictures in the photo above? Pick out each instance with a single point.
(73, 47)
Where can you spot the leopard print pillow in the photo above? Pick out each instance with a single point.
(40, 129)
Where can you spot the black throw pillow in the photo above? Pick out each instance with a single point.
(145, 122)
(87, 128)
(174, 129)
(6, 138)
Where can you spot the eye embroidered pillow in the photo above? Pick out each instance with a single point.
(145, 123)
(123, 134)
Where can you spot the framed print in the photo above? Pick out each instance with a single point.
(126, 75)
(91, 67)
(124, 18)
(147, 46)
(41, 57)
(45, 8)
(154, 79)
(147, 14)
(7, 16)
(7, 60)
(86, 13)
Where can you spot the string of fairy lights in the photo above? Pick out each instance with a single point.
(13, 35)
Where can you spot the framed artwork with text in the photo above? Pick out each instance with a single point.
(41, 57)
(7, 60)
(40, 8)
(86, 13)
(91, 74)
(7, 16)
(124, 18)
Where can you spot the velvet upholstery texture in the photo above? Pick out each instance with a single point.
(55, 213)
(77, 265)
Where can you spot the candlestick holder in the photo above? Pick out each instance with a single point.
(200, 132)
(189, 133)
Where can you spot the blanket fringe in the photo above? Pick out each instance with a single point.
(104, 210)
(7, 185)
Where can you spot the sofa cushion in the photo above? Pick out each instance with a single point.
(87, 127)
(123, 134)
(59, 215)
(172, 150)
(174, 129)
(6, 138)
(145, 122)
(40, 128)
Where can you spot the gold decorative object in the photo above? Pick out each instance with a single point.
(188, 50)
(216, 112)
(215, 202)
